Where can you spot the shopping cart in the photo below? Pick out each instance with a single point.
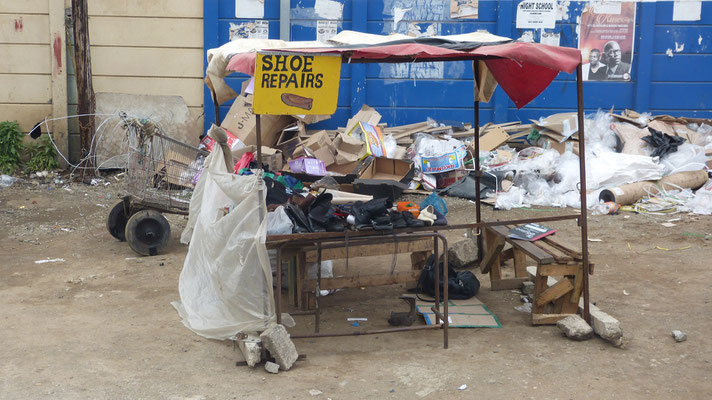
(161, 175)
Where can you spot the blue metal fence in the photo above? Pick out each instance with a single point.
(671, 72)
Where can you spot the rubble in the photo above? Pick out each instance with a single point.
(575, 328)
(679, 336)
(462, 253)
(276, 340)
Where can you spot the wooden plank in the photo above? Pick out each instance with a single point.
(27, 115)
(146, 32)
(559, 289)
(31, 29)
(495, 272)
(540, 285)
(142, 8)
(573, 253)
(361, 281)
(24, 6)
(507, 284)
(24, 59)
(539, 255)
(506, 255)
(147, 62)
(548, 319)
(25, 89)
(578, 287)
(520, 263)
(58, 66)
(191, 89)
(559, 269)
(493, 246)
(371, 250)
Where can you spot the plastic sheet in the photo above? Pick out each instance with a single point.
(226, 283)
(599, 133)
(608, 169)
(702, 202)
(688, 157)
(391, 145)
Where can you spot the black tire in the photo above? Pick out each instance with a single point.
(117, 219)
(147, 232)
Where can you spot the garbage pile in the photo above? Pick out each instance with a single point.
(524, 164)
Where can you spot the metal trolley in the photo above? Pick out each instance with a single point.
(161, 175)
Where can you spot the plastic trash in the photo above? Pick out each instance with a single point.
(391, 145)
(278, 222)
(688, 157)
(7, 180)
(606, 208)
(436, 201)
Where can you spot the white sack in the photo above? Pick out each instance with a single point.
(226, 283)
(606, 169)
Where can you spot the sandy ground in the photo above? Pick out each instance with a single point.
(100, 325)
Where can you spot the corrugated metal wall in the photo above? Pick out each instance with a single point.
(678, 84)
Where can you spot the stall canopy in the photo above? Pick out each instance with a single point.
(523, 70)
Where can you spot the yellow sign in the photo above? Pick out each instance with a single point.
(296, 84)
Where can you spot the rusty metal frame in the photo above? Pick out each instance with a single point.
(374, 237)
(581, 217)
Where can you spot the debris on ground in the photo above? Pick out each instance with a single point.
(575, 328)
(679, 336)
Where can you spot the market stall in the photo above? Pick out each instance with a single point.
(293, 79)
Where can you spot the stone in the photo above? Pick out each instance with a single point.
(605, 326)
(271, 367)
(251, 348)
(315, 392)
(277, 341)
(528, 287)
(575, 328)
(679, 336)
(462, 253)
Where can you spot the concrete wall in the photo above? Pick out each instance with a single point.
(138, 47)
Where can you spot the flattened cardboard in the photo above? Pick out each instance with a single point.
(564, 124)
(319, 146)
(493, 138)
(470, 313)
(366, 114)
(348, 149)
(241, 122)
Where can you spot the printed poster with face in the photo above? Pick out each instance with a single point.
(606, 37)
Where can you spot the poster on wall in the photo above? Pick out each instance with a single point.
(249, 8)
(464, 9)
(537, 14)
(606, 40)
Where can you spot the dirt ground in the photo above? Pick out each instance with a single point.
(100, 324)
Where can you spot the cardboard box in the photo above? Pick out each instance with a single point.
(385, 177)
(367, 115)
(348, 149)
(309, 166)
(318, 146)
(443, 163)
(208, 143)
(564, 124)
(372, 136)
(241, 122)
(272, 157)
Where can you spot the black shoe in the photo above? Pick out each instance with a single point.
(411, 220)
(365, 212)
(301, 224)
(382, 223)
(397, 220)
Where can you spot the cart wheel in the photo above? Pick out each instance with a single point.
(116, 221)
(147, 232)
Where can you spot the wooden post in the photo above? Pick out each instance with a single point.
(85, 89)
(58, 55)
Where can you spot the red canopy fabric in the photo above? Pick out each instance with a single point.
(523, 70)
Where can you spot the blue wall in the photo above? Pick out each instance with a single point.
(407, 93)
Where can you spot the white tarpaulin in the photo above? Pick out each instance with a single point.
(226, 283)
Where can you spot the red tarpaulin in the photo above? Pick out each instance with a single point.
(523, 70)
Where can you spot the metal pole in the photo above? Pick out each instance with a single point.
(317, 292)
(278, 305)
(258, 130)
(478, 173)
(446, 294)
(583, 222)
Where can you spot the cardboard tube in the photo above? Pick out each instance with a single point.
(630, 193)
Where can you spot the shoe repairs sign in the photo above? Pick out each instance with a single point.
(287, 84)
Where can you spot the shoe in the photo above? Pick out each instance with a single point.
(427, 215)
(397, 220)
(301, 224)
(382, 223)
(364, 212)
(439, 218)
(411, 220)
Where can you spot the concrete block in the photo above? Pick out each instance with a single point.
(277, 341)
(574, 327)
(462, 253)
(271, 367)
(251, 348)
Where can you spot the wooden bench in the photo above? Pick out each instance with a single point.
(550, 304)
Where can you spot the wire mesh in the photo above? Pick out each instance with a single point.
(162, 172)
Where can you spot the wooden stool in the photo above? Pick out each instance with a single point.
(550, 304)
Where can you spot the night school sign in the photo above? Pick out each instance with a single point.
(287, 84)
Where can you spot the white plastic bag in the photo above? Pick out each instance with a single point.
(391, 145)
(278, 222)
(606, 169)
(226, 282)
(327, 271)
(688, 157)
